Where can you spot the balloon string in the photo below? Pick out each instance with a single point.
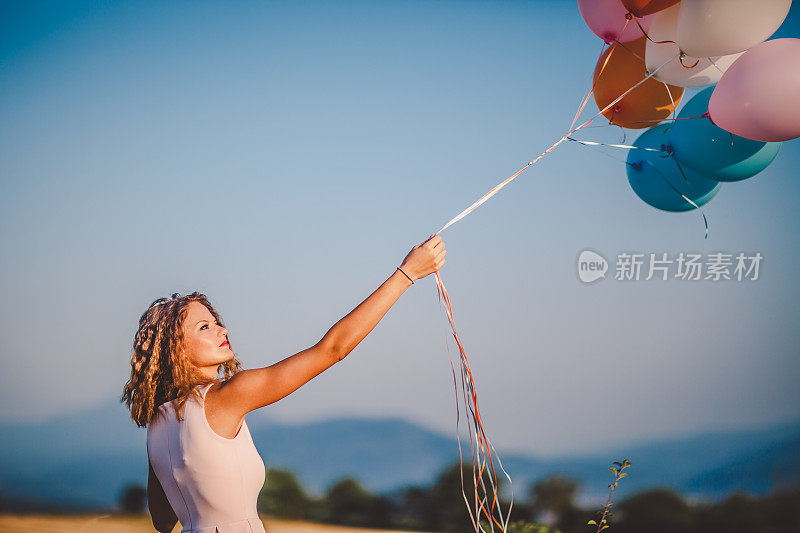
(630, 16)
(511, 178)
(593, 143)
(672, 101)
(594, 81)
(458, 436)
(681, 55)
(620, 97)
(715, 65)
(458, 432)
(485, 449)
(668, 152)
(680, 169)
(467, 377)
(631, 51)
(653, 121)
(705, 220)
(596, 76)
(608, 155)
(627, 21)
(472, 445)
(473, 406)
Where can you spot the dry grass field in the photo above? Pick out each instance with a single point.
(97, 523)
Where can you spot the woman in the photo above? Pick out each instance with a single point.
(204, 469)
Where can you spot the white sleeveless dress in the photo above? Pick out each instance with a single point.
(211, 482)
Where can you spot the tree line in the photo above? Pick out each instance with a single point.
(548, 506)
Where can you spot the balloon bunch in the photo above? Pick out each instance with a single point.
(729, 131)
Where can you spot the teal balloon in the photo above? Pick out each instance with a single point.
(712, 151)
(650, 175)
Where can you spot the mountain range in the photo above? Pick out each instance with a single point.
(84, 460)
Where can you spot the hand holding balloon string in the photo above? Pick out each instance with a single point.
(425, 258)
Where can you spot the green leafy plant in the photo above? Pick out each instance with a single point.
(618, 475)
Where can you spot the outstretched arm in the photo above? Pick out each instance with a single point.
(251, 389)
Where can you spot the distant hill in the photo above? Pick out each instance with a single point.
(85, 460)
(773, 466)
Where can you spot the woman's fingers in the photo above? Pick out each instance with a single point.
(439, 254)
(440, 260)
(433, 241)
(426, 257)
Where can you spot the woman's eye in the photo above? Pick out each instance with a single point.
(204, 326)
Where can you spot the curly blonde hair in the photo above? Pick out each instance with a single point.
(160, 370)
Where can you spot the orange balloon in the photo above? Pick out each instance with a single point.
(640, 8)
(646, 105)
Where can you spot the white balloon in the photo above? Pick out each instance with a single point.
(720, 27)
(692, 71)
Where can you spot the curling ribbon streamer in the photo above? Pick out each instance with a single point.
(486, 452)
(480, 442)
(681, 56)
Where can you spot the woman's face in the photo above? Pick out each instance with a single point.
(205, 341)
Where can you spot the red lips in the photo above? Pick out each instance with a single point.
(224, 343)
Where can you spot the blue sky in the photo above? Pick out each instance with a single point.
(283, 157)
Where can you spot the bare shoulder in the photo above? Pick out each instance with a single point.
(240, 392)
(251, 389)
(233, 390)
(237, 394)
(223, 412)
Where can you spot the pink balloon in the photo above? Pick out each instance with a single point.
(606, 18)
(758, 97)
